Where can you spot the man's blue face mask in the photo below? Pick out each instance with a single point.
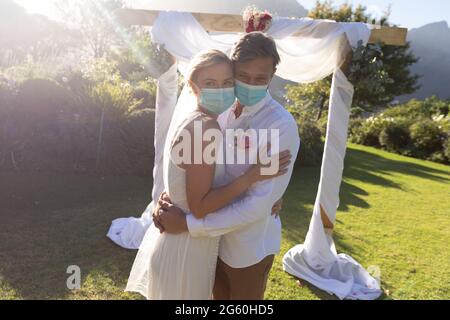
(217, 101)
(249, 95)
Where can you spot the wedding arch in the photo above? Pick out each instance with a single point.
(310, 50)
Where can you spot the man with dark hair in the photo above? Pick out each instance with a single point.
(250, 234)
(255, 45)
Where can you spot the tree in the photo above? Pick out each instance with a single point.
(95, 21)
(378, 72)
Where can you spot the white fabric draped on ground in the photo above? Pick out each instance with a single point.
(310, 50)
(317, 261)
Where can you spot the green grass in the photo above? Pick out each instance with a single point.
(394, 214)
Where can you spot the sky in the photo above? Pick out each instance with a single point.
(44, 7)
(406, 13)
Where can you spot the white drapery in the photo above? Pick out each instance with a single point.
(310, 50)
(129, 232)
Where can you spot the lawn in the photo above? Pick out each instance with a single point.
(394, 214)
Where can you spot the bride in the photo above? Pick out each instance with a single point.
(181, 267)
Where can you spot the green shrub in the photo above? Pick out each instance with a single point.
(367, 132)
(32, 70)
(354, 126)
(42, 95)
(99, 69)
(443, 123)
(438, 157)
(418, 109)
(394, 137)
(7, 97)
(311, 149)
(426, 136)
(52, 120)
(418, 128)
(145, 93)
(7, 128)
(447, 149)
(42, 105)
(139, 139)
(116, 97)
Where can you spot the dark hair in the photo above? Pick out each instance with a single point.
(255, 45)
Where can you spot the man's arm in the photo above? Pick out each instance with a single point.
(258, 201)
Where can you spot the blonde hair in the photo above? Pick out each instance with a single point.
(206, 59)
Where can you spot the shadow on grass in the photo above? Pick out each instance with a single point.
(361, 166)
(48, 223)
(366, 166)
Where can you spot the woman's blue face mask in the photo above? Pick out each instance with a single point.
(249, 95)
(217, 101)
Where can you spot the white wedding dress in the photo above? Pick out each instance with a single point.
(176, 267)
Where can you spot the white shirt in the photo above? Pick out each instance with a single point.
(249, 231)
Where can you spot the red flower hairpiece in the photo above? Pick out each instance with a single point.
(255, 20)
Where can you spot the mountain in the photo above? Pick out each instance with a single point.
(431, 43)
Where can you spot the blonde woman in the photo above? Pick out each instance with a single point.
(181, 267)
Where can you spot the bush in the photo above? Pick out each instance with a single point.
(7, 97)
(31, 69)
(416, 129)
(35, 126)
(7, 142)
(38, 97)
(426, 136)
(51, 120)
(145, 93)
(139, 139)
(447, 149)
(367, 132)
(116, 97)
(438, 157)
(418, 109)
(54, 127)
(354, 127)
(311, 149)
(394, 137)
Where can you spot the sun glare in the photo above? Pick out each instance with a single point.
(43, 7)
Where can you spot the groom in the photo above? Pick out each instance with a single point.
(250, 235)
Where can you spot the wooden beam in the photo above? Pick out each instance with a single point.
(129, 17)
(389, 36)
(209, 21)
(234, 23)
(220, 22)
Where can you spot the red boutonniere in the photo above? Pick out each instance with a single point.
(243, 142)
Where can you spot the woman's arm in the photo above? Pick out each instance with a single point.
(202, 198)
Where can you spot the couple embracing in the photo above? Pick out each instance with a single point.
(216, 228)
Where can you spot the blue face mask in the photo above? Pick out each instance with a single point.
(249, 95)
(217, 101)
